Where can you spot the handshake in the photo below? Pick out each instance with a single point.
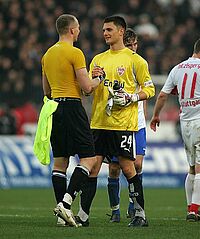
(121, 97)
(98, 73)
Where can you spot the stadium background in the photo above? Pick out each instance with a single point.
(167, 30)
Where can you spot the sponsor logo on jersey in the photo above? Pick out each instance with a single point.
(110, 83)
(188, 65)
(188, 103)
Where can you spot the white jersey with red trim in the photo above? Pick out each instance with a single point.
(186, 76)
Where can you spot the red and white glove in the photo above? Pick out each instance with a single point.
(122, 98)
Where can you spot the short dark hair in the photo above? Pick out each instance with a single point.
(117, 20)
(63, 22)
(129, 35)
(197, 46)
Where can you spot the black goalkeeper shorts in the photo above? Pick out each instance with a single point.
(71, 133)
(114, 143)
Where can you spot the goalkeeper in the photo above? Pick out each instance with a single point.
(114, 125)
(130, 41)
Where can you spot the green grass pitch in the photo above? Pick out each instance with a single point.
(27, 214)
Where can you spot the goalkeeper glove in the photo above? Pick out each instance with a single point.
(122, 98)
(109, 104)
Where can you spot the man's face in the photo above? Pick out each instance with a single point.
(132, 44)
(112, 34)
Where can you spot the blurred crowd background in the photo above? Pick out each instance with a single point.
(167, 30)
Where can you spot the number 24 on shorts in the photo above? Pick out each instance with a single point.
(126, 142)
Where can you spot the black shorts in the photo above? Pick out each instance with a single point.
(114, 143)
(71, 133)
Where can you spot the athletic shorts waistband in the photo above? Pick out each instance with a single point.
(60, 99)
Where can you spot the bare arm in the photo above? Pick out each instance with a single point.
(46, 86)
(160, 102)
(86, 84)
(142, 95)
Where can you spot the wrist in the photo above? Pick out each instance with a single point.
(135, 97)
(95, 82)
(99, 78)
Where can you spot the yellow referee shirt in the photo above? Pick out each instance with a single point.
(131, 71)
(58, 64)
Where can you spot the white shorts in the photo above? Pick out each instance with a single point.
(191, 138)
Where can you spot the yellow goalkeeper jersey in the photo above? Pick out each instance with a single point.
(59, 64)
(131, 71)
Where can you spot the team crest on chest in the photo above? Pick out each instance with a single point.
(120, 70)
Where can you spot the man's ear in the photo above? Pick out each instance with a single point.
(72, 31)
(122, 31)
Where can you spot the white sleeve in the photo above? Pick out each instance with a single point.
(169, 83)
